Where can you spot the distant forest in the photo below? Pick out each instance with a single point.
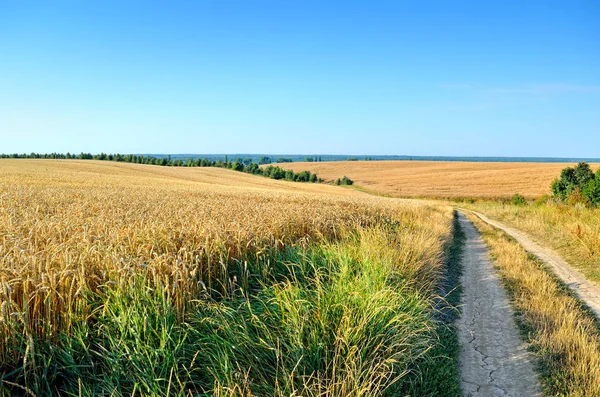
(286, 158)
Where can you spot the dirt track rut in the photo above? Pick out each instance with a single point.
(493, 359)
(585, 290)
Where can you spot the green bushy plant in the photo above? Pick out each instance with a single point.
(518, 199)
(577, 185)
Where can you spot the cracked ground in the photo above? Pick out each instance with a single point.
(493, 359)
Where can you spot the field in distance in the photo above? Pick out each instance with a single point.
(442, 179)
(79, 173)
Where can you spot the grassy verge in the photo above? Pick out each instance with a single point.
(573, 231)
(439, 375)
(562, 332)
(350, 317)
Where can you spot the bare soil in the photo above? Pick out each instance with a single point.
(494, 361)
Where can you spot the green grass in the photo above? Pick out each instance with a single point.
(439, 374)
(341, 319)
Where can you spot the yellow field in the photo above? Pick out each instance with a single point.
(69, 227)
(80, 173)
(442, 179)
(125, 279)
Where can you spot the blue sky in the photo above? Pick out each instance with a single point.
(482, 78)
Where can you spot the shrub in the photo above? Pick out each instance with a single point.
(583, 174)
(591, 191)
(237, 166)
(345, 181)
(518, 199)
(577, 185)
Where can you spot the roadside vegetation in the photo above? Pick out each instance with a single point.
(568, 221)
(134, 284)
(572, 231)
(562, 332)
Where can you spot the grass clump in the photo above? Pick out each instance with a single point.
(349, 321)
(344, 333)
(518, 200)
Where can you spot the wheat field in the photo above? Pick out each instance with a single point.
(442, 179)
(70, 226)
(92, 251)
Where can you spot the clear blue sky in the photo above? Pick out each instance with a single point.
(484, 77)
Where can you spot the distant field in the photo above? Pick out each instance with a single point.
(108, 173)
(442, 179)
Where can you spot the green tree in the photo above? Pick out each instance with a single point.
(237, 166)
(565, 185)
(577, 185)
(583, 174)
(591, 191)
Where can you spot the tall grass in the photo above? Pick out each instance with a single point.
(563, 333)
(347, 330)
(346, 319)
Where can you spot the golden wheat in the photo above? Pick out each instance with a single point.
(69, 228)
(442, 179)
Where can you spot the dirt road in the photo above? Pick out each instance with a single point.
(585, 290)
(493, 359)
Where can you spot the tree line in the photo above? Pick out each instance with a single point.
(578, 184)
(241, 165)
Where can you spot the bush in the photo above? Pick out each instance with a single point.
(237, 166)
(577, 185)
(518, 199)
(591, 191)
(345, 181)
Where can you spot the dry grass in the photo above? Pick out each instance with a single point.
(563, 334)
(71, 231)
(573, 231)
(439, 179)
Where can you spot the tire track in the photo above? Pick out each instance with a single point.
(584, 289)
